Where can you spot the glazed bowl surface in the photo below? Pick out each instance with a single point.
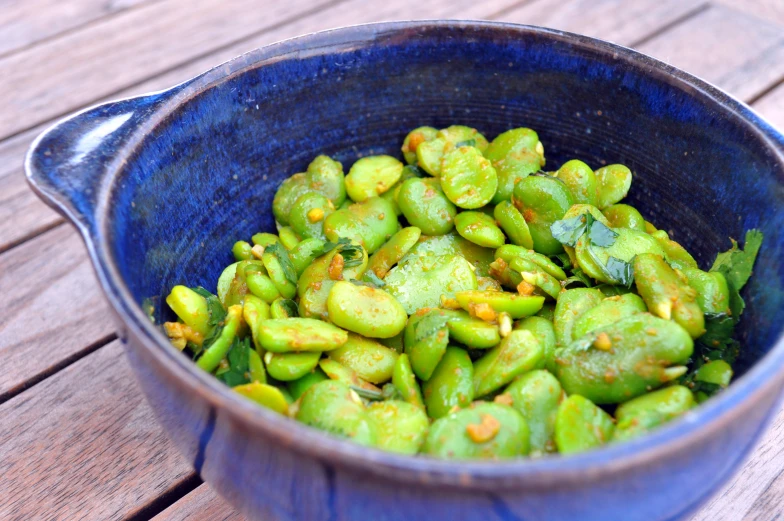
(161, 186)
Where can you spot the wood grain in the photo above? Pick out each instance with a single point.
(34, 216)
(59, 75)
(613, 20)
(23, 23)
(51, 309)
(737, 52)
(771, 10)
(83, 446)
(771, 105)
(202, 504)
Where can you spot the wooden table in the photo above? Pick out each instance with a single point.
(77, 441)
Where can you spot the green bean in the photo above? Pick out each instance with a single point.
(213, 355)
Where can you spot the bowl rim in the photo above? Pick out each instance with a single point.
(764, 377)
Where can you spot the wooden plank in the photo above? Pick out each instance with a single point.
(83, 445)
(59, 75)
(735, 51)
(771, 105)
(23, 23)
(613, 20)
(37, 216)
(771, 10)
(736, 498)
(202, 504)
(51, 310)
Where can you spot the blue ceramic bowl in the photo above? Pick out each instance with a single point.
(161, 185)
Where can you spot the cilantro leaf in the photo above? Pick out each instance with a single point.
(600, 235)
(431, 324)
(466, 143)
(239, 364)
(412, 171)
(567, 231)
(620, 271)
(578, 276)
(282, 255)
(214, 306)
(737, 264)
(352, 255)
(369, 278)
(289, 307)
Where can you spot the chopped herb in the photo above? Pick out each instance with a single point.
(353, 254)
(289, 306)
(370, 279)
(430, 325)
(282, 255)
(412, 171)
(563, 259)
(390, 392)
(367, 394)
(217, 313)
(619, 271)
(578, 276)
(568, 231)
(736, 265)
(600, 235)
(239, 365)
(466, 143)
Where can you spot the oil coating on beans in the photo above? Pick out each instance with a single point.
(451, 299)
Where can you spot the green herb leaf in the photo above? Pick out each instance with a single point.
(239, 365)
(217, 313)
(289, 306)
(466, 143)
(619, 271)
(390, 392)
(369, 278)
(600, 235)
(567, 231)
(737, 264)
(563, 259)
(353, 255)
(578, 276)
(280, 253)
(412, 171)
(367, 393)
(430, 325)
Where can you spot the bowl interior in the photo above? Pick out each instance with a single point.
(205, 177)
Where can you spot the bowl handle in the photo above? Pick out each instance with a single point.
(69, 163)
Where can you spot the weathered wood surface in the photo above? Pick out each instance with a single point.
(82, 445)
(87, 51)
(24, 23)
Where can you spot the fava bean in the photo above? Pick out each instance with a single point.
(667, 295)
(291, 366)
(298, 387)
(450, 385)
(624, 216)
(571, 304)
(580, 426)
(415, 138)
(372, 176)
(483, 431)
(514, 154)
(333, 407)
(517, 354)
(580, 180)
(614, 182)
(191, 308)
(537, 396)
(401, 427)
(467, 178)
(393, 250)
(517, 306)
(372, 361)
(479, 229)
(287, 335)
(420, 282)
(542, 201)
(404, 380)
(625, 359)
(513, 223)
(368, 311)
(640, 415)
(265, 395)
